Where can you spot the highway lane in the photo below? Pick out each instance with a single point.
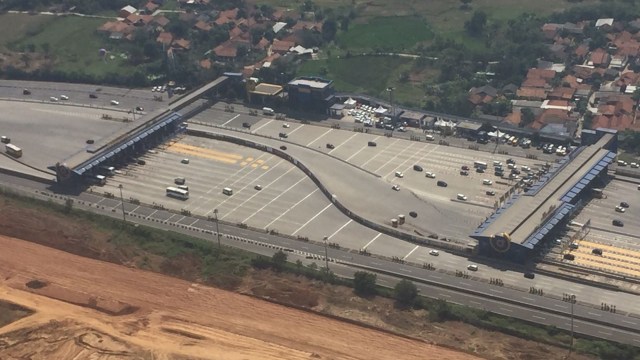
(539, 309)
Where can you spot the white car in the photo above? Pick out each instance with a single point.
(487, 182)
(53, 98)
(434, 252)
(635, 165)
(462, 197)
(115, 102)
(285, 125)
(620, 209)
(430, 138)
(258, 187)
(396, 187)
(184, 161)
(64, 97)
(430, 175)
(472, 267)
(399, 174)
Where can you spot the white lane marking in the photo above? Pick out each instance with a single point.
(274, 199)
(528, 298)
(268, 122)
(342, 227)
(411, 252)
(372, 240)
(358, 152)
(507, 310)
(496, 290)
(379, 153)
(594, 314)
(539, 317)
(629, 322)
(560, 306)
(318, 138)
(256, 193)
(604, 333)
(436, 277)
(393, 158)
(291, 208)
(134, 210)
(445, 295)
(420, 160)
(150, 215)
(169, 218)
(344, 142)
(194, 221)
(296, 129)
(310, 220)
(230, 120)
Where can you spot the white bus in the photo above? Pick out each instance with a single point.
(13, 150)
(480, 165)
(227, 191)
(177, 193)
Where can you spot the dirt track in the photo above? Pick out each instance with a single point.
(165, 318)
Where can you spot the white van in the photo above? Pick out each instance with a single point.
(487, 182)
(267, 111)
(227, 191)
(462, 197)
(399, 174)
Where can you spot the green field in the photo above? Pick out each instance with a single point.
(14, 27)
(393, 33)
(74, 44)
(367, 74)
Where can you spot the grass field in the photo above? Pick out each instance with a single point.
(74, 44)
(367, 74)
(393, 33)
(14, 27)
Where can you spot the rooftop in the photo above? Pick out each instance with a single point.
(267, 89)
(316, 83)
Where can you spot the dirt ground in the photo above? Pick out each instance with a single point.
(89, 309)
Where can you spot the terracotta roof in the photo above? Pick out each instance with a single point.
(562, 93)
(570, 80)
(226, 50)
(146, 19)
(262, 44)
(282, 46)
(628, 78)
(558, 103)
(235, 32)
(541, 73)
(532, 93)
(620, 122)
(535, 82)
(229, 14)
(161, 20)
(247, 71)
(550, 116)
(514, 118)
(133, 18)
(599, 57)
(108, 26)
(182, 43)
(201, 25)
(205, 64)
(582, 50)
(165, 38)
(151, 6)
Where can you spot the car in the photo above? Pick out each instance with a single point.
(141, 162)
(258, 187)
(413, 214)
(620, 209)
(93, 96)
(617, 223)
(487, 182)
(490, 193)
(285, 125)
(569, 257)
(246, 125)
(597, 251)
(5, 140)
(53, 98)
(529, 275)
(399, 174)
(372, 143)
(516, 171)
(622, 163)
(139, 108)
(64, 97)
(417, 168)
(480, 170)
(472, 267)
(184, 161)
(635, 165)
(434, 252)
(441, 183)
(115, 102)
(461, 197)
(430, 138)
(26, 92)
(465, 167)
(499, 173)
(330, 146)
(283, 135)
(179, 181)
(464, 172)
(283, 147)
(396, 187)
(430, 175)
(511, 161)
(624, 205)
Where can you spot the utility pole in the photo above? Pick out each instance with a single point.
(215, 218)
(572, 299)
(390, 90)
(124, 215)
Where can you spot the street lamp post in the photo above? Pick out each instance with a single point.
(572, 299)
(390, 90)
(124, 215)
(326, 253)
(215, 218)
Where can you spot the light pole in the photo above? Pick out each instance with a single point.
(124, 215)
(390, 90)
(326, 253)
(215, 218)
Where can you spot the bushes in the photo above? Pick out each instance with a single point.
(364, 283)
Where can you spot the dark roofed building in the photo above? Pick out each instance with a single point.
(412, 118)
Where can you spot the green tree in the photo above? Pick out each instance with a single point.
(475, 26)
(527, 117)
(329, 30)
(279, 260)
(364, 283)
(405, 292)
(439, 311)
(587, 121)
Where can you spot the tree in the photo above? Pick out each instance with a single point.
(465, 4)
(475, 26)
(151, 50)
(344, 24)
(329, 30)
(405, 292)
(278, 260)
(364, 283)
(527, 117)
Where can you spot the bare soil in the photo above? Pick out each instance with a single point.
(90, 309)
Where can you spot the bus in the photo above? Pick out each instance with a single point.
(480, 165)
(13, 150)
(177, 193)
(99, 180)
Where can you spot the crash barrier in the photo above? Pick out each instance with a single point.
(418, 240)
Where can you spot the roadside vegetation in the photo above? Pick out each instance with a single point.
(105, 238)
